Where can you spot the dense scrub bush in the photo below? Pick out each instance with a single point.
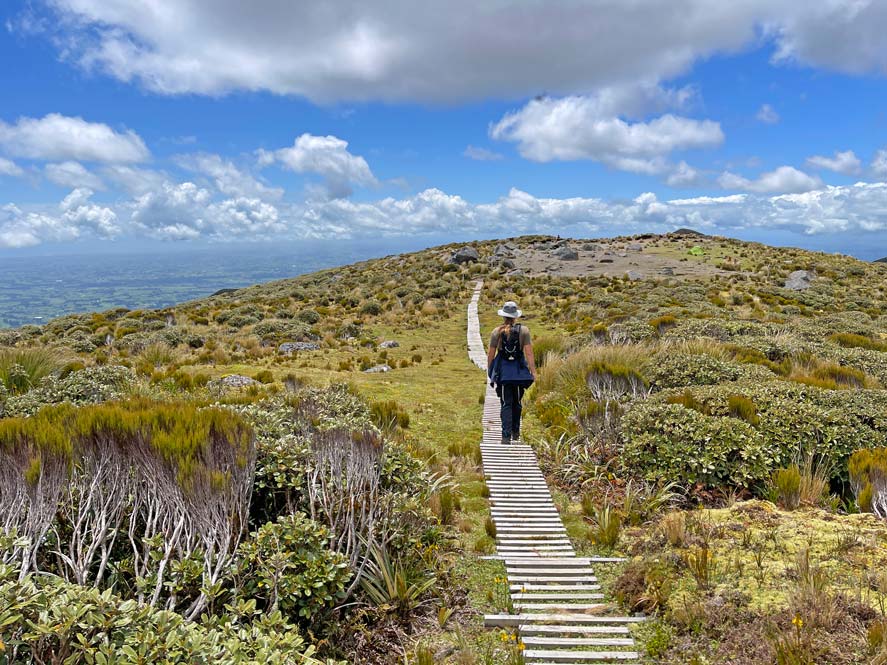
(850, 340)
(309, 316)
(176, 479)
(283, 330)
(46, 620)
(92, 385)
(672, 443)
(722, 443)
(287, 565)
(670, 369)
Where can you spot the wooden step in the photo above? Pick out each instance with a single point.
(557, 657)
(543, 629)
(572, 642)
(512, 620)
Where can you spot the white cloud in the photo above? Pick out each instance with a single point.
(879, 163)
(185, 211)
(228, 178)
(74, 216)
(785, 179)
(586, 128)
(8, 167)
(684, 175)
(72, 174)
(843, 162)
(59, 137)
(768, 115)
(843, 35)
(481, 154)
(135, 180)
(462, 49)
(326, 156)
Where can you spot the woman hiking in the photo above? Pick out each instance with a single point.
(511, 367)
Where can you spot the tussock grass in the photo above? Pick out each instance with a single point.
(22, 369)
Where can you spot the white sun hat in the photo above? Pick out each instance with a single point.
(510, 310)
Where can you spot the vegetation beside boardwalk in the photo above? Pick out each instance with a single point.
(723, 432)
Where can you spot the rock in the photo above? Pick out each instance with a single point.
(390, 344)
(635, 247)
(634, 275)
(507, 263)
(222, 292)
(287, 348)
(667, 271)
(510, 246)
(589, 247)
(377, 369)
(465, 254)
(621, 255)
(237, 381)
(688, 232)
(606, 261)
(502, 250)
(800, 280)
(566, 254)
(515, 273)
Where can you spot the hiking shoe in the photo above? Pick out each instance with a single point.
(506, 440)
(515, 438)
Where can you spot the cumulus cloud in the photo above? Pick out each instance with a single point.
(184, 211)
(574, 128)
(879, 163)
(327, 156)
(59, 137)
(843, 162)
(785, 179)
(842, 35)
(481, 154)
(133, 179)
(74, 216)
(72, 174)
(8, 167)
(767, 114)
(227, 177)
(684, 175)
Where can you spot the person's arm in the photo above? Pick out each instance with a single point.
(528, 352)
(491, 352)
(531, 360)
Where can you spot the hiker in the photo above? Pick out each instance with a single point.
(511, 368)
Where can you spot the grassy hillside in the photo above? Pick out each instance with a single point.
(693, 414)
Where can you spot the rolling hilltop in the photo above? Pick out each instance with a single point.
(295, 466)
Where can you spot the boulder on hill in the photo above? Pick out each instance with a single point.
(288, 348)
(465, 254)
(390, 344)
(634, 275)
(589, 247)
(635, 247)
(377, 369)
(799, 280)
(502, 250)
(566, 254)
(237, 381)
(222, 292)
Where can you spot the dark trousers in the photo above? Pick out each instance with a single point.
(510, 396)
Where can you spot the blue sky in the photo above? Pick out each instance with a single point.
(127, 122)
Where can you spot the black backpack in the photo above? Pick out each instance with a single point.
(510, 366)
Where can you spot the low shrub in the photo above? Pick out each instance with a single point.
(785, 486)
(388, 415)
(852, 341)
(43, 618)
(287, 565)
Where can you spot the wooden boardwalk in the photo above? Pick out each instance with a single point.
(559, 610)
